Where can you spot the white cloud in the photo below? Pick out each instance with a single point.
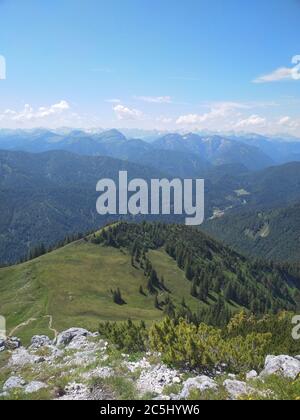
(284, 120)
(155, 99)
(253, 120)
(283, 73)
(124, 113)
(218, 110)
(289, 123)
(164, 120)
(28, 113)
(190, 119)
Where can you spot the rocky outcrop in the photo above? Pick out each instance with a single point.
(286, 366)
(65, 338)
(39, 341)
(84, 359)
(12, 343)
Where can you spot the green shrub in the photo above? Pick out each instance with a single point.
(128, 336)
(185, 345)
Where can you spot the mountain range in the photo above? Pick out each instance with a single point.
(48, 180)
(253, 153)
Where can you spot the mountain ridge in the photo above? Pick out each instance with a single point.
(153, 266)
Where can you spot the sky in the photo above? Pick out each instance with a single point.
(217, 65)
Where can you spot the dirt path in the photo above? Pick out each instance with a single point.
(24, 324)
(55, 332)
(29, 321)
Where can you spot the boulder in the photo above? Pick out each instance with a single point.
(236, 388)
(65, 338)
(251, 375)
(12, 343)
(34, 386)
(286, 366)
(40, 341)
(13, 382)
(201, 383)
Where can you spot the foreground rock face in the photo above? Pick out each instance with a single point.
(285, 366)
(80, 365)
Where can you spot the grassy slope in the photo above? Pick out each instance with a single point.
(73, 284)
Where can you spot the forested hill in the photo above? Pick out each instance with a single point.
(272, 234)
(45, 197)
(142, 272)
(212, 269)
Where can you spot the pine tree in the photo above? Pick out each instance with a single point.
(203, 292)
(229, 293)
(189, 273)
(117, 297)
(194, 291)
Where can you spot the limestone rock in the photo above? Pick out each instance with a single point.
(251, 375)
(12, 343)
(236, 388)
(40, 341)
(65, 338)
(34, 386)
(21, 357)
(286, 366)
(13, 382)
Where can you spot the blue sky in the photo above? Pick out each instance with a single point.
(165, 64)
